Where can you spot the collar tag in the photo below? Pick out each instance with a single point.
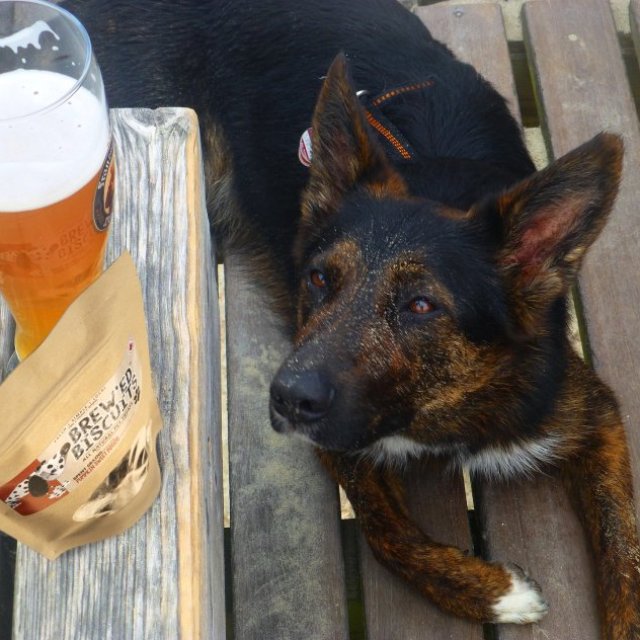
(305, 148)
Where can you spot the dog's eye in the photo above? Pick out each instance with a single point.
(421, 305)
(318, 279)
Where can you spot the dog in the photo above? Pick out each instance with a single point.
(423, 262)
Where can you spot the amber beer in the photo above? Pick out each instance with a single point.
(56, 185)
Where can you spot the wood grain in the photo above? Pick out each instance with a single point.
(589, 94)
(530, 523)
(476, 35)
(288, 576)
(7, 544)
(164, 577)
(586, 93)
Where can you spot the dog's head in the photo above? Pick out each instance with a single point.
(408, 308)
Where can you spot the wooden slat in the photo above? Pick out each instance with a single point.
(589, 95)
(164, 577)
(555, 554)
(586, 94)
(532, 524)
(475, 34)
(288, 577)
(7, 545)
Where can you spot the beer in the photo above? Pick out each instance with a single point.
(56, 182)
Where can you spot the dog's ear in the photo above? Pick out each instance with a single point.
(548, 222)
(345, 153)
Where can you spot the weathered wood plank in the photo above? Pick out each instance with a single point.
(475, 34)
(531, 523)
(587, 94)
(511, 515)
(7, 545)
(288, 576)
(163, 578)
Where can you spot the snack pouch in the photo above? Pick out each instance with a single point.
(79, 422)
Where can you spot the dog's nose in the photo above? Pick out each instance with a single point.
(301, 396)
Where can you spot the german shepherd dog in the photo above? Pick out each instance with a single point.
(424, 261)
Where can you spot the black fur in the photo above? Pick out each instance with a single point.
(257, 67)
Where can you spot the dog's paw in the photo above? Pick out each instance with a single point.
(523, 603)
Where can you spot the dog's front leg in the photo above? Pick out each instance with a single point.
(464, 585)
(600, 484)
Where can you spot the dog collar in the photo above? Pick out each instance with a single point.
(393, 140)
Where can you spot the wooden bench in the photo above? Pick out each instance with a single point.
(164, 577)
(294, 568)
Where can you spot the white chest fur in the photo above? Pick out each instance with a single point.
(517, 458)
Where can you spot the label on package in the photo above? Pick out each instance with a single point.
(82, 444)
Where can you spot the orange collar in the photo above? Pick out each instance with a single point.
(395, 140)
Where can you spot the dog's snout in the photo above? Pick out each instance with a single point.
(301, 397)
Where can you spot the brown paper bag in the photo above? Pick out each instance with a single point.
(79, 421)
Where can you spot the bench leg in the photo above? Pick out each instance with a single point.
(464, 585)
(600, 484)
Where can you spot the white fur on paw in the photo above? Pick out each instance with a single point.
(523, 603)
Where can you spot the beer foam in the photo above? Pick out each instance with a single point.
(48, 155)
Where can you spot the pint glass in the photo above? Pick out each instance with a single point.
(56, 169)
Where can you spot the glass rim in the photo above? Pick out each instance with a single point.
(87, 59)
